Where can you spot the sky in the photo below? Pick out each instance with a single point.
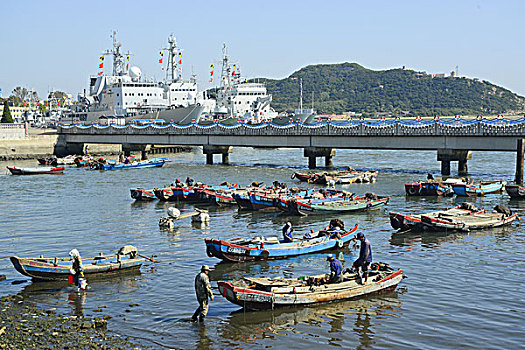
(55, 45)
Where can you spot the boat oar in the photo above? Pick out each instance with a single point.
(152, 259)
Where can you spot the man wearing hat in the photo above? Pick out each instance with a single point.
(336, 269)
(203, 291)
(365, 257)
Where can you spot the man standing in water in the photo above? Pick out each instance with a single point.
(365, 257)
(203, 291)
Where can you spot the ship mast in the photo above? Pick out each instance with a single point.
(225, 74)
(118, 58)
(230, 71)
(172, 73)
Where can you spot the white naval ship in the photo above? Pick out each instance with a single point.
(125, 95)
(238, 99)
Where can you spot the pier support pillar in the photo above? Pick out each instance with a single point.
(445, 168)
(445, 156)
(312, 163)
(328, 162)
(520, 153)
(313, 152)
(127, 148)
(63, 148)
(462, 167)
(210, 150)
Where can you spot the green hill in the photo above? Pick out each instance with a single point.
(344, 87)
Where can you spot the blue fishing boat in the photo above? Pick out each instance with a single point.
(141, 194)
(150, 163)
(265, 248)
(59, 268)
(479, 189)
(183, 192)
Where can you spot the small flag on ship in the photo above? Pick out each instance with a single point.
(161, 55)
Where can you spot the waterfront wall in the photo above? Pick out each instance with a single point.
(12, 132)
(38, 144)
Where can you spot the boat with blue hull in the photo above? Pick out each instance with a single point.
(188, 193)
(150, 163)
(269, 248)
(479, 189)
(59, 268)
(141, 194)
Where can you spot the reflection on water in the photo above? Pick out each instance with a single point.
(458, 296)
(254, 326)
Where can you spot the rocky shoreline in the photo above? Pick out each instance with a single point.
(23, 326)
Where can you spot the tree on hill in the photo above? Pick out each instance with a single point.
(344, 87)
(6, 115)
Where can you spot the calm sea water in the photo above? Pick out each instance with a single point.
(463, 290)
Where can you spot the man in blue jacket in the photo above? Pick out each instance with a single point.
(287, 233)
(336, 269)
(365, 257)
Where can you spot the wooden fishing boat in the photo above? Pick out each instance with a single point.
(462, 217)
(320, 178)
(186, 193)
(242, 198)
(150, 163)
(268, 248)
(357, 177)
(482, 219)
(266, 199)
(268, 293)
(59, 268)
(226, 196)
(337, 204)
(479, 189)
(141, 194)
(515, 191)
(36, 171)
(54, 161)
(432, 187)
(337, 176)
(288, 205)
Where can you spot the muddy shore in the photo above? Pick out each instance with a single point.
(23, 326)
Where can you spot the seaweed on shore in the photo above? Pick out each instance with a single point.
(27, 327)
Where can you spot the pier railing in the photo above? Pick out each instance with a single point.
(395, 127)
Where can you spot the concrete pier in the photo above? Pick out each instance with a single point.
(520, 153)
(210, 150)
(313, 152)
(445, 156)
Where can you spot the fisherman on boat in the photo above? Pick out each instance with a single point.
(336, 270)
(365, 257)
(189, 181)
(203, 291)
(287, 233)
(77, 270)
